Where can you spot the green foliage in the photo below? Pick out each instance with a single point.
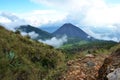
(27, 59)
(113, 49)
(85, 45)
(11, 55)
(17, 32)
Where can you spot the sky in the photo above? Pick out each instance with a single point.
(98, 18)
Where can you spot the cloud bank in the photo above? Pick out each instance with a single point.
(55, 42)
(87, 12)
(104, 36)
(33, 35)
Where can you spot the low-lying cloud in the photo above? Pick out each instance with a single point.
(33, 35)
(55, 42)
(108, 35)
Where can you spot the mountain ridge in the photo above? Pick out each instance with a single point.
(41, 33)
(71, 31)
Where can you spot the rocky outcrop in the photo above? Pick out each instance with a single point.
(109, 67)
(115, 75)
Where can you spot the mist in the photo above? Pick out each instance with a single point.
(55, 42)
(33, 35)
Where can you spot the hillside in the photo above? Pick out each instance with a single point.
(41, 34)
(27, 59)
(98, 64)
(87, 46)
(31, 60)
(110, 69)
(71, 31)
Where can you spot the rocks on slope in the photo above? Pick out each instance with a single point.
(85, 68)
(115, 75)
(110, 68)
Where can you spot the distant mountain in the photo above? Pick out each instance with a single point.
(49, 29)
(41, 34)
(71, 31)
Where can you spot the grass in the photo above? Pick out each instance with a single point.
(27, 59)
(84, 45)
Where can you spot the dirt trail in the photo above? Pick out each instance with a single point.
(85, 68)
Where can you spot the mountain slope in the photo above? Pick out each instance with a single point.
(27, 59)
(84, 46)
(71, 31)
(42, 34)
(49, 29)
(94, 63)
(110, 68)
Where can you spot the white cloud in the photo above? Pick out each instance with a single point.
(104, 36)
(9, 16)
(92, 13)
(34, 18)
(41, 17)
(4, 20)
(33, 35)
(23, 33)
(86, 12)
(104, 16)
(55, 42)
(10, 20)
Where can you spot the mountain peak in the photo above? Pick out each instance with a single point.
(71, 31)
(68, 24)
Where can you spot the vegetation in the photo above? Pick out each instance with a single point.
(87, 45)
(82, 48)
(27, 59)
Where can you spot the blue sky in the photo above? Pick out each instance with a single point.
(96, 17)
(28, 5)
(18, 6)
(113, 1)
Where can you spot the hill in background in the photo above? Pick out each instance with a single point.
(36, 31)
